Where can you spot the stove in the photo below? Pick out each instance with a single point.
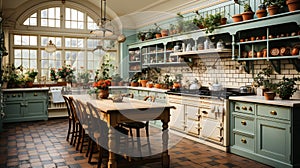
(205, 92)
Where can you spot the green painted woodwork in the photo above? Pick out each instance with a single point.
(25, 104)
(269, 134)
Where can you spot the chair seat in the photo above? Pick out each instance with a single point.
(134, 125)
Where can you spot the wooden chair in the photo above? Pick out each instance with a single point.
(100, 131)
(78, 127)
(139, 125)
(73, 120)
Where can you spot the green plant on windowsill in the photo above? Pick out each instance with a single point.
(212, 22)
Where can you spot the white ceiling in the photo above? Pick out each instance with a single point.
(132, 13)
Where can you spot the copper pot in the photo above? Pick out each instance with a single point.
(295, 51)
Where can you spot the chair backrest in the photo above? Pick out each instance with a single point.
(84, 113)
(68, 106)
(151, 98)
(73, 106)
(98, 125)
(130, 95)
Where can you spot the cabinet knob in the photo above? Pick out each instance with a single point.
(273, 112)
(243, 122)
(237, 107)
(14, 95)
(243, 140)
(35, 94)
(244, 108)
(250, 109)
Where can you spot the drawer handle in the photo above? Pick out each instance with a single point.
(204, 112)
(250, 109)
(273, 112)
(14, 95)
(243, 140)
(244, 108)
(243, 122)
(35, 94)
(237, 107)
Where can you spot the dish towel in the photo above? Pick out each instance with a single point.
(57, 96)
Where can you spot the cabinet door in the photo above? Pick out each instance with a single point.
(274, 140)
(13, 110)
(177, 117)
(193, 117)
(35, 108)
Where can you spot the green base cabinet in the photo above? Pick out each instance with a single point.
(267, 133)
(27, 104)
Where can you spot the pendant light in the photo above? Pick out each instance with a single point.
(50, 48)
(102, 30)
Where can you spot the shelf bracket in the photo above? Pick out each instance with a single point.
(276, 65)
(296, 63)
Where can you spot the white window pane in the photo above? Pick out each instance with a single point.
(44, 13)
(44, 63)
(57, 22)
(57, 13)
(33, 64)
(44, 22)
(33, 21)
(68, 24)
(80, 25)
(25, 54)
(18, 62)
(68, 12)
(17, 39)
(74, 25)
(33, 40)
(51, 13)
(25, 63)
(26, 22)
(80, 16)
(17, 53)
(25, 40)
(74, 14)
(51, 23)
(33, 54)
(80, 43)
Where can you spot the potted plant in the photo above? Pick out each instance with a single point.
(263, 81)
(157, 31)
(261, 11)
(248, 13)
(30, 77)
(116, 79)
(274, 6)
(198, 20)
(286, 87)
(212, 22)
(141, 36)
(293, 5)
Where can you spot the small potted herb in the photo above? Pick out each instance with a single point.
(248, 13)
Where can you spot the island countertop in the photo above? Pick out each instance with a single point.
(261, 99)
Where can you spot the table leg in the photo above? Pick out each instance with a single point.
(165, 139)
(112, 163)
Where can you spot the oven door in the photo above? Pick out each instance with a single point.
(211, 130)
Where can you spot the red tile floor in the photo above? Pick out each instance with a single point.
(42, 144)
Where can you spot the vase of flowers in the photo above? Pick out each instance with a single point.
(101, 88)
(65, 73)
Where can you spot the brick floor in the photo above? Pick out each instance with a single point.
(42, 144)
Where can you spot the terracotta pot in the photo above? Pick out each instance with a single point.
(143, 83)
(134, 84)
(273, 10)
(120, 83)
(237, 18)
(247, 15)
(158, 35)
(164, 32)
(157, 85)
(223, 21)
(150, 85)
(269, 95)
(293, 5)
(176, 85)
(295, 51)
(103, 94)
(261, 13)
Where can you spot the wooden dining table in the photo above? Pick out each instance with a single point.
(130, 110)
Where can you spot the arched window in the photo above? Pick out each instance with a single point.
(68, 28)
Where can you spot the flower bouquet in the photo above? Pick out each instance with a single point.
(101, 87)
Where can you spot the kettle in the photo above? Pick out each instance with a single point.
(194, 84)
(245, 89)
(215, 87)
